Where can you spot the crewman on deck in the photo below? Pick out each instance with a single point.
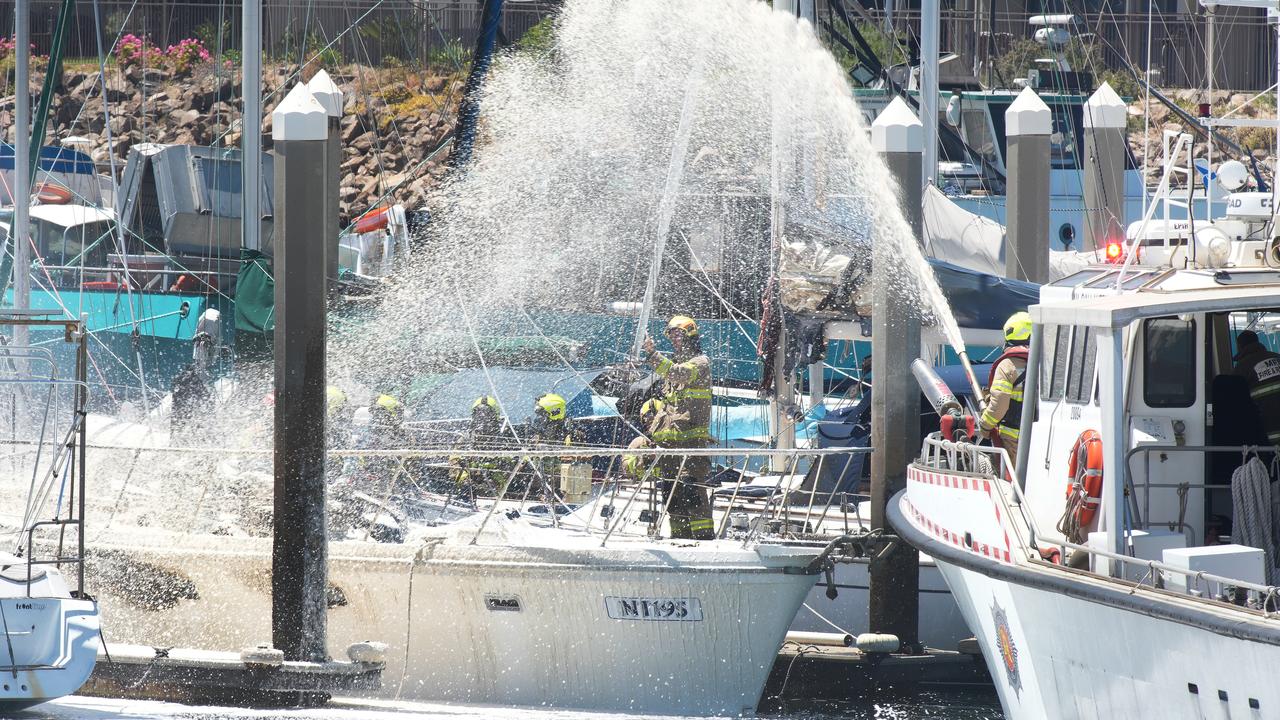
(550, 427)
(388, 432)
(1002, 411)
(1261, 369)
(483, 475)
(684, 422)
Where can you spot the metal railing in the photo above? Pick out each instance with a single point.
(200, 491)
(1148, 485)
(937, 450)
(65, 469)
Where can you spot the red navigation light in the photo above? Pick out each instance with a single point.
(1114, 251)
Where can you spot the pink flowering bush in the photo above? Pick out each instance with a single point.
(133, 50)
(182, 58)
(8, 44)
(185, 55)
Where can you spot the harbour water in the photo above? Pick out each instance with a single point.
(970, 705)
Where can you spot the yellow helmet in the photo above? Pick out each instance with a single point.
(683, 323)
(335, 399)
(486, 401)
(1018, 327)
(552, 405)
(389, 405)
(652, 406)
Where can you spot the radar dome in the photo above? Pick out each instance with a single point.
(1232, 175)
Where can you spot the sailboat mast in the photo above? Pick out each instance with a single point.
(251, 132)
(930, 20)
(22, 165)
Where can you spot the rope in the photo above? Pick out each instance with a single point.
(1251, 507)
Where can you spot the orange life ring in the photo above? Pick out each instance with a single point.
(52, 194)
(1084, 476)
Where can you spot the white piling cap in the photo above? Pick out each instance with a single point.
(1105, 109)
(897, 129)
(327, 93)
(299, 117)
(1028, 115)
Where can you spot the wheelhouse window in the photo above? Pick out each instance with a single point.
(1169, 363)
(1057, 345)
(1084, 359)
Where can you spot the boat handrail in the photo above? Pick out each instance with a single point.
(954, 448)
(1268, 593)
(1147, 448)
(542, 451)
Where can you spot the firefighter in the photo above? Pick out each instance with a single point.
(684, 422)
(481, 474)
(1261, 369)
(387, 431)
(1002, 412)
(550, 427)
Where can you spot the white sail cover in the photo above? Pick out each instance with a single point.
(957, 236)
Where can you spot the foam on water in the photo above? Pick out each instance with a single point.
(570, 182)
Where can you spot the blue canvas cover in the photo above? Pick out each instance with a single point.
(450, 396)
(982, 301)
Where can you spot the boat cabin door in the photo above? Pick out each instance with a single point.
(1167, 402)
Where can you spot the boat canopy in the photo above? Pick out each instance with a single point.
(1118, 311)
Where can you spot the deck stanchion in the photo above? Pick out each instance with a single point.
(897, 135)
(299, 558)
(1104, 153)
(1028, 123)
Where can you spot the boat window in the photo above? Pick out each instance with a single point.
(1076, 279)
(1106, 279)
(977, 134)
(1057, 347)
(1084, 357)
(219, 186)
(1169, 363)
(1133, 282)
(47, 237)
(91, 239)
(1064, 140)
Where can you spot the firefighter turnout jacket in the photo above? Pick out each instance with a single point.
(1261, 369)
(1002, 412)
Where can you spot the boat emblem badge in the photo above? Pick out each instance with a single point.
(1008, 650)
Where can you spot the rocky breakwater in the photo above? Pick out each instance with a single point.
(1255, 142)
(394, 118)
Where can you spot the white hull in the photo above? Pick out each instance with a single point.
(51, 648)
(446, 610)
(1062, 644)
